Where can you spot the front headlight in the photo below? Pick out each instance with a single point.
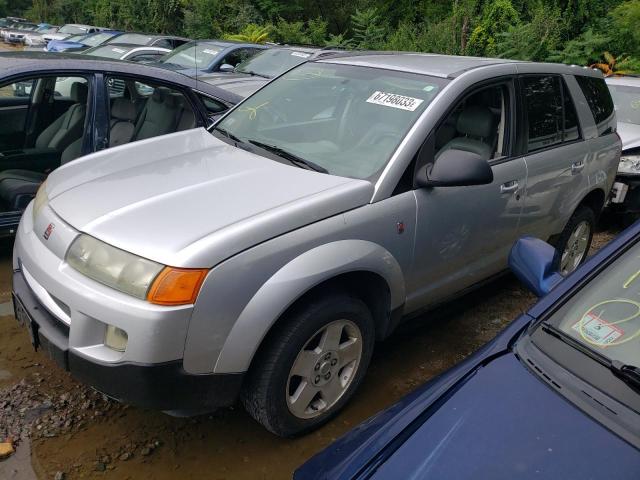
(629, 164)
(40, 200)
(136, 276)
(113, 267)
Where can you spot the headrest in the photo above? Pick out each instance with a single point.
(123, 109)
(79, 92)
(160, 94)
(477, 121)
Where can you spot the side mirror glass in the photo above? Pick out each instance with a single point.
(531, 260)
(225, 67)
(457, 168)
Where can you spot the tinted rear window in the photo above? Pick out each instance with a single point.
(597, 94)
(543, 103)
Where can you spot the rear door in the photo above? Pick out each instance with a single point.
(556, 154)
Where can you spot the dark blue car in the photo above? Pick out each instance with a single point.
(555, 396)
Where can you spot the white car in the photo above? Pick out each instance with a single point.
(70, 29)
(625, 199)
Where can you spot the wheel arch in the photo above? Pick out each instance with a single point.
(362, 268)
(595, 200)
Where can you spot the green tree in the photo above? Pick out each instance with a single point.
(533, 40)
(497, 17)
(368, 29)
(584, 50)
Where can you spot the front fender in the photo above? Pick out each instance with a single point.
(295, 279)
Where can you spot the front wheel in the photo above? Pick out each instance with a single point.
(575, 240)
(312, 365)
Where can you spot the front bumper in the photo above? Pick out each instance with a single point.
(162, 386)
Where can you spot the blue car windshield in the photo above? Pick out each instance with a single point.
(605, 315)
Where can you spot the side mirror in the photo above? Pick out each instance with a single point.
(225, 67)
(531, 260)
(457, 168)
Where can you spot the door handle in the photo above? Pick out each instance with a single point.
(509, 187)
(577, 167)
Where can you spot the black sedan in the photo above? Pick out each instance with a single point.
(55, 108)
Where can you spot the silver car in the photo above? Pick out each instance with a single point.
(263, 259)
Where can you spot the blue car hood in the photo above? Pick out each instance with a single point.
(60, 46)
(503, 422)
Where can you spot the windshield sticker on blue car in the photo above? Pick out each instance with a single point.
(118, 50)
(300, 54)
(394, 101)
(597, 331)
(210, 52)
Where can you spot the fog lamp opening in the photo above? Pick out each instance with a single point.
(116, 338)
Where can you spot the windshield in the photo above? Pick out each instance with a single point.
(108, 51)
(134, 39)
(97, 39)
(605, 315)
(627, 102)
(75, 38)
(273, 62)
(72, 30)
(347, 120)
(193, 55)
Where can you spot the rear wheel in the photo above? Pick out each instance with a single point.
(575, 240)
(312, 366)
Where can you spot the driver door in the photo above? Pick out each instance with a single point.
(464, 234)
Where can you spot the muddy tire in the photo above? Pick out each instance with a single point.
(573, 244)
(311, 365)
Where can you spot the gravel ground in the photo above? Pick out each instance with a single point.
(75, 432)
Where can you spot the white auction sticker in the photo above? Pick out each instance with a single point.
(395, 101)
(118, 50)
(300, 54)
(210, 52)
(597, 330)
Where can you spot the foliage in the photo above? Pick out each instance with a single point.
(252, 33)
(498, 16)
(368, 29)
(533, 40)
(584, 50)
(570, 31)
(616, 66)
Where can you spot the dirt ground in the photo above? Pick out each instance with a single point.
(73, 430)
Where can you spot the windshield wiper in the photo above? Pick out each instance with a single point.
(628, 373)
(253, 74)
(227, 134)
(572, 342)
(294, 159)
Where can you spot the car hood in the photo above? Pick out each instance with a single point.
(629, 134)
(61, 45)
(506, 423)
(190, 200)
(241, 84)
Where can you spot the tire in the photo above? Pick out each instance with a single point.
(276, 397)
(572, 246)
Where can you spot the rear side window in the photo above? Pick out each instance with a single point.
(599, 99)
(551, 114)
(543, 104)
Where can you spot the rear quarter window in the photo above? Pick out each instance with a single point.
(600, 102)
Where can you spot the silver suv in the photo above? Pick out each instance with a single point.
(263, 260)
